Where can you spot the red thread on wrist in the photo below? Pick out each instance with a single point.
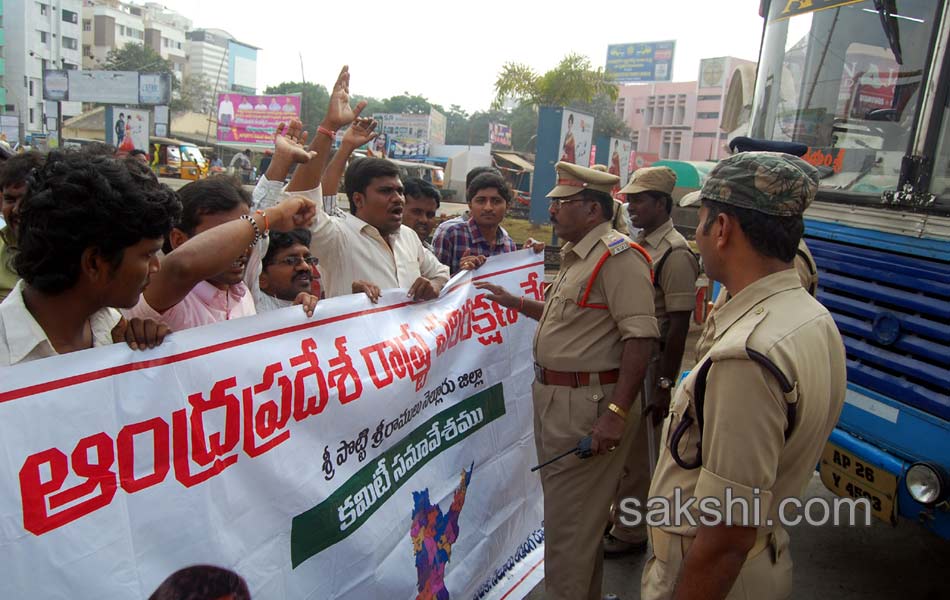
(521, 308)
(327, 132)
(266, 220)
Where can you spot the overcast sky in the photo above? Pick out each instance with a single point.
(451, 51)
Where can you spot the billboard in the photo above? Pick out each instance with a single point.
(242, 68)
(618, 160)
(127, 128)
(254, 119)
(499, 134)
(641, 62)
(410, 137)
(107, 87)
(577, 137)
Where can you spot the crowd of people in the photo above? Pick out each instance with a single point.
(96, 250)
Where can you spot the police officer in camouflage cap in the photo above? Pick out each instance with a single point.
(748, 424)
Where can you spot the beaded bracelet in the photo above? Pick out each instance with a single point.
(257, 230)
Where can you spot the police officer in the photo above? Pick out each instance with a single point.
(675, 268)
(750, 420)
(804, 265)
(595, 332)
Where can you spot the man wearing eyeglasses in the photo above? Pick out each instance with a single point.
(595, 333)
(288, 272)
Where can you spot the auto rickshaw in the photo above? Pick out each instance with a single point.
(175, 158)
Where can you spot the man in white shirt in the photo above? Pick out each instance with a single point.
(288, 272)
(371, 244)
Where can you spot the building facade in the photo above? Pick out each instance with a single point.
(39, 35)
(227, 64)
(111, 24)
(680, 120)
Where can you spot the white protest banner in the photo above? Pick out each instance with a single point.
(371, 451)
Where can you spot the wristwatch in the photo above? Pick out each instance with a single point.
(664, 383)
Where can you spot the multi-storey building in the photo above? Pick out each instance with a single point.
(227, 64)
(111, 24)
(680, 121)
(39, 35)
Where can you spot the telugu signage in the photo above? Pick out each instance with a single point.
(641, 62)
(253, 120)
(392, 438)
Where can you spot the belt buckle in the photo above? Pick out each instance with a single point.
(539, 373)
(577, 379)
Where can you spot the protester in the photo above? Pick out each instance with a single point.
(773, 381)
(288, 271)
(202, 582)
(422, 203)
(241, 163)
(88, 236)
(465, 216)
(202, 280)
(369, 244)
(15, 176)
(595, 333)
(139, 155)
(488, 198)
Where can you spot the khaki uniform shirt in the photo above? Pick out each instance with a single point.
(574, 338)
(743, 442)
(619, 223)
(807, 274)
(676, 289)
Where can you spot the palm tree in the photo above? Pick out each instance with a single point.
(573, 80)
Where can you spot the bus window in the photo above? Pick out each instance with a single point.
(940, 183)
(846, 85)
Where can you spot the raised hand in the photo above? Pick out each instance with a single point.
(294, 212)
(290, 141)
(362, 131)
(339, 111)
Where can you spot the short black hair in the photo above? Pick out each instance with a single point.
(202, 582)
(771, 236)
(489, 180)
(138, 151)
(603, 198)
(17, 170)
(471, 175)
(82, 201)
(280, 240)
(420, 188)
(210, 196)
(361, 172)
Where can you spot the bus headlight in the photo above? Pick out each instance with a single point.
(926, 483)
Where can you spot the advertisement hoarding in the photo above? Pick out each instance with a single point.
(242, 68)
(127, 128)
(499, 134)
(641, 62)
(107, 87)
(618, 160)
(253, 119)
(577, 137)
(410, 137)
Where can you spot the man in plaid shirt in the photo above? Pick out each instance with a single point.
(482, 235)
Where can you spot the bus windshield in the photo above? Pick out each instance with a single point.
(845, 80)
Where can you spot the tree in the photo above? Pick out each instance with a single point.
(313, 101)
(194, 94)
(138, 57)
(573, 80)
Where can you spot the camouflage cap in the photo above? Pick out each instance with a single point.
(651, 179)
(573, 179)
(768, 182)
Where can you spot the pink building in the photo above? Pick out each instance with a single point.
(680, 120)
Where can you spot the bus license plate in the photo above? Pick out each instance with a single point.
(850, 477)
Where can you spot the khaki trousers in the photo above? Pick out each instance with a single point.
(635, 482)
(766, 575)
(575, 491)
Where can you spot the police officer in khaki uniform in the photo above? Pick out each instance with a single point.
(804, 265)
(595, 332)
(750, 420)
(619, 223)
(675, 268)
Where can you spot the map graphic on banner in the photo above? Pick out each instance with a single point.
(284, 448)
(254, 119)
